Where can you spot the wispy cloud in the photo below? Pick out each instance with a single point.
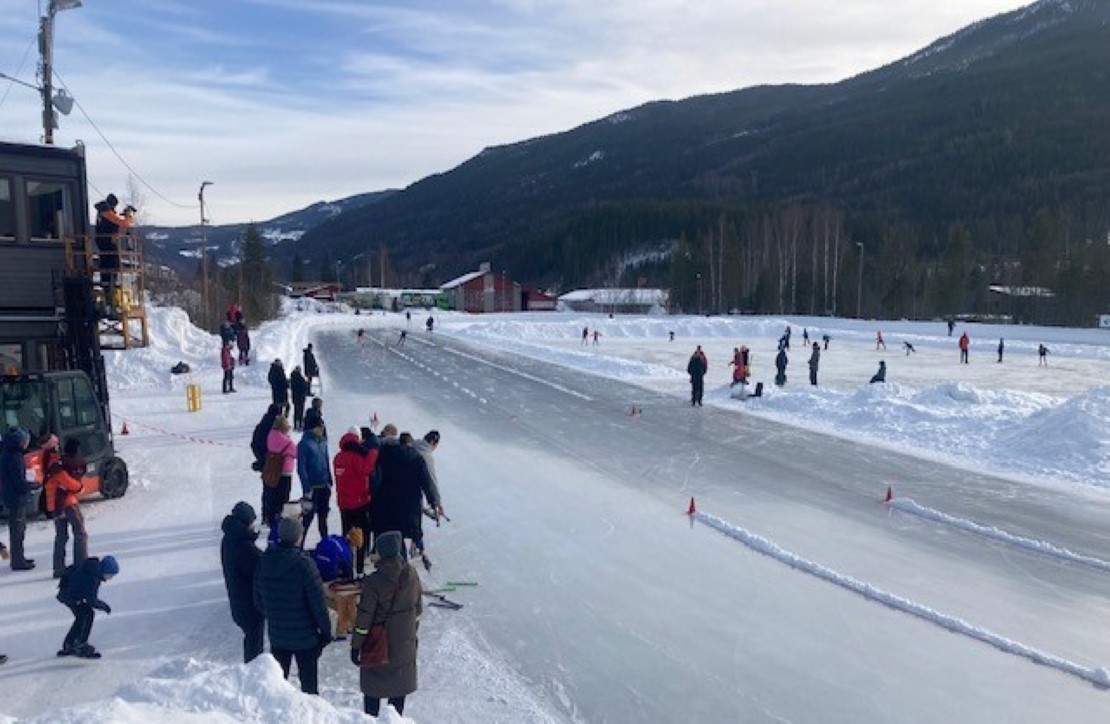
(285, 102)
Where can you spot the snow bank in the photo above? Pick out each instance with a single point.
(190, 691)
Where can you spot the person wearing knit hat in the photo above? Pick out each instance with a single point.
(289, 594)
(79, 590)
(239, 557)
(391, 598)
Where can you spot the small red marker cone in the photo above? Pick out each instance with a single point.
(889, 494)
(692, 509)
(125, 431)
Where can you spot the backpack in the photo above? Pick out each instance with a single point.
(271, 469)
(179, 369)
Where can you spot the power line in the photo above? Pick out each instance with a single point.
(104, 138)
(11, 80)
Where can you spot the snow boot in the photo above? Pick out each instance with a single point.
(86, 651)
(66, 651)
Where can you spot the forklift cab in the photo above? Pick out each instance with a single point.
(62, 404)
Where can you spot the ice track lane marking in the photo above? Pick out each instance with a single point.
(518, 373)
(393, 348)
(908, 506)
(1099, 676)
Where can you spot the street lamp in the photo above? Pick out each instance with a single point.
(204, 251)
(859, 290)
(46, 45)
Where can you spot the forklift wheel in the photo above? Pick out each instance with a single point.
(113, 479)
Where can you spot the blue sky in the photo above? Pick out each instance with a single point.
(282, 103)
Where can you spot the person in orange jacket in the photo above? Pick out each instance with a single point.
(63, 484)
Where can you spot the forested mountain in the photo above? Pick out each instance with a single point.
(983, 159)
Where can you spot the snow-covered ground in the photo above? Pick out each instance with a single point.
(171, 650)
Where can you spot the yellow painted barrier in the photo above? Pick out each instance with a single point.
(192, 397)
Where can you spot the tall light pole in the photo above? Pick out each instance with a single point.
(699, 293)
(203, 253)
(859, 289)
(46, 48)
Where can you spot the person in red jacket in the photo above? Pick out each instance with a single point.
(227, 362)
(354, 463)
(63, 484)
(965, 342)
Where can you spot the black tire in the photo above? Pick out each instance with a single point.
(113, 479)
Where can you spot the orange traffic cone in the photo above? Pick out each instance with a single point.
(692, 509)
(125, 431)
(889, 494)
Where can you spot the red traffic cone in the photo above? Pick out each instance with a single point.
(124, 431)
(889, 494)
(692, 509)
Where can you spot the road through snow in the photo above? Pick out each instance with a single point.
(597, 588)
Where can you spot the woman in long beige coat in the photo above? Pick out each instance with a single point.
(390, 594)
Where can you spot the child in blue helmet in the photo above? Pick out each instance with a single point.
(79, 589)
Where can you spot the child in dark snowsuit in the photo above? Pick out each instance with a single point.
(79, 589)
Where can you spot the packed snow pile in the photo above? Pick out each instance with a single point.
(184, 692)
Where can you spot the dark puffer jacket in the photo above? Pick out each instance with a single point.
(261, 432)
(13, 470)
(239, 556)
(81, 583)
(289, 593)
(403, 480)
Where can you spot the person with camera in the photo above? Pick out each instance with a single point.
(107, 230)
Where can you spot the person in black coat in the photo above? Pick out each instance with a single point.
(261, 431)
(814, 363)
(697, 368)
(298, 387)
(315, 416)
(402, 481)
(79, 589)
(780, 365)
(239, 557)
(879, 376)
(311, 369)
(17, 493)
(288, 592)
(279, 386)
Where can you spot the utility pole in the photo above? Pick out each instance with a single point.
(46, 49)
(203, 254)
(859, 290)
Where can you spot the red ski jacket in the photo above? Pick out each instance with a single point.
(353, 466)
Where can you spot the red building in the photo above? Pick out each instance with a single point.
(483, 291)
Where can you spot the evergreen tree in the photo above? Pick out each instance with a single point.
(258, 298)
(327, 269)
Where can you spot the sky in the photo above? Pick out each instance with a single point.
(282, 103)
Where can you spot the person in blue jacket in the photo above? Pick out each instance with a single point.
(79, 589)
(17, 493)
(314, 470)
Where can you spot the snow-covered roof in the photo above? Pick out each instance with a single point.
(617, 296)
(459, 281)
